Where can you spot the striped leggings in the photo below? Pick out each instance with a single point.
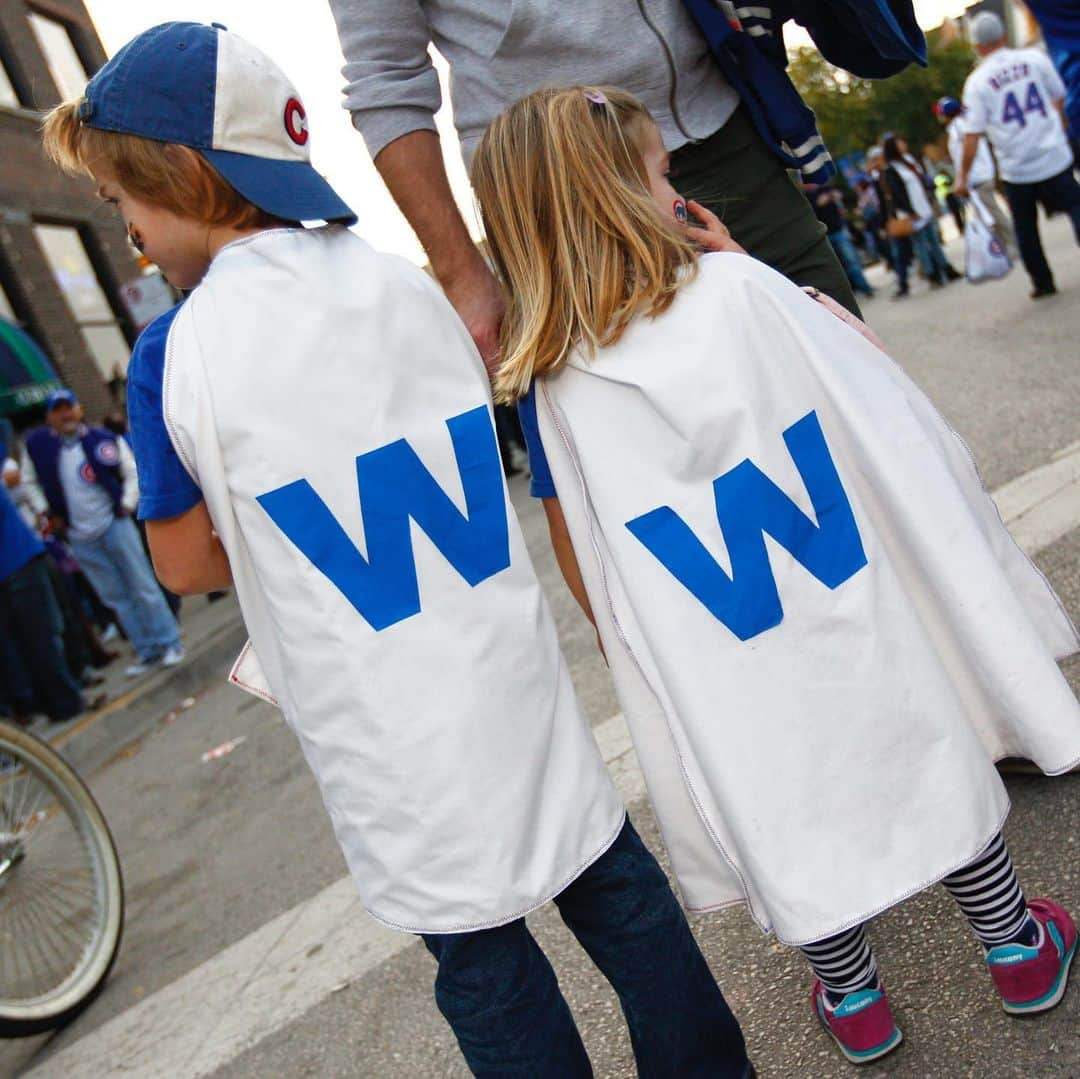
(988, 893)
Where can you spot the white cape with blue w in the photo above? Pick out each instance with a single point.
(336, 416)
(821, 633)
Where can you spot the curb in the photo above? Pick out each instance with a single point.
(101, 736)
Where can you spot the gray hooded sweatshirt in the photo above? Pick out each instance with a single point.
(500, 50)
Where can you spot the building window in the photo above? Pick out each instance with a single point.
(67, 69)
(8, 98)
(70, 263)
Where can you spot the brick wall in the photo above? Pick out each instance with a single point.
(32, 189)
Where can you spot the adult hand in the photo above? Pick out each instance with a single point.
(475, 295)
(714, 234)
(960, 188)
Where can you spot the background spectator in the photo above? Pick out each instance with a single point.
(85, 477)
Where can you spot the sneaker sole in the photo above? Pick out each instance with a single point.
(864, 1056)
(1050, 999)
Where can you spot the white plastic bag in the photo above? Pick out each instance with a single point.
(985, 257)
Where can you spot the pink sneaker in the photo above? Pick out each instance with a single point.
(861, 1024)
(1033, 979)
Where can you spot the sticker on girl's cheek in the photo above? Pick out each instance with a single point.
(680, 211)
(135, 236)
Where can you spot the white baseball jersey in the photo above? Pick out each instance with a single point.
(335, 415)
(821, 634)
(982, 168)
(1011, 98)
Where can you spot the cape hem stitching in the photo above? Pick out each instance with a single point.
(507, 918)
(936, 879)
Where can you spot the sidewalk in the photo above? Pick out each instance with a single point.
(213, 635)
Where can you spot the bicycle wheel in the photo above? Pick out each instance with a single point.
(61, 892)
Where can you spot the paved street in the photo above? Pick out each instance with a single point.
(247, 956)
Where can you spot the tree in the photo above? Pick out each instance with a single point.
(853, 113)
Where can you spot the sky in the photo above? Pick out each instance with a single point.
(302, 39)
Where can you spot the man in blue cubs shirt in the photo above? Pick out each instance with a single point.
(85, 477)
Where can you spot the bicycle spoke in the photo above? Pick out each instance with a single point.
(59, 898)
(43, 928)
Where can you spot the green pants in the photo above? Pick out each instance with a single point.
(735, 175)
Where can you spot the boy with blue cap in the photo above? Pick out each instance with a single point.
(313, 425)
(982, 179)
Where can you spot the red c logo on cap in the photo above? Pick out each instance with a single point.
(296, 121)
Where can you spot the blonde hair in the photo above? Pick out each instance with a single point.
(165, 174)
(573, 230)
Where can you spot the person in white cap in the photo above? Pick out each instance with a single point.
(313, 424)
(1016, 98)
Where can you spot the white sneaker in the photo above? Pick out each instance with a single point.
(173, 656)
(138, 667)
(110, 634)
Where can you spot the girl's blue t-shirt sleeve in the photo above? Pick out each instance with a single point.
(542, 485)
(166, 488)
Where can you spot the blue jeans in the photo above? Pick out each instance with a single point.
(927, 246)
(902, 254)
(116, 565)
(1060, 192)
(500, 996)
(849, 259)
(31, 622)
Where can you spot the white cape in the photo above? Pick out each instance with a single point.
(459, 774)
(840, 757)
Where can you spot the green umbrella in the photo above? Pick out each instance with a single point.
(26, 376)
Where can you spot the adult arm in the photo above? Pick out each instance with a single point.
(392, 92)
(412, 168)
(976, 121)
(130, 476)
(187, 554)
(967, 159)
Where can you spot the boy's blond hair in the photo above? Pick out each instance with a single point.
(575, 235)
(164, 174)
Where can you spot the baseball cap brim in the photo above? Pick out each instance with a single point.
(60, 397)
(291, 190)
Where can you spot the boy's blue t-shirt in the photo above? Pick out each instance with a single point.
(542, 485)
(166, 488)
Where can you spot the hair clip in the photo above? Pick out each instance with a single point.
(595, 96)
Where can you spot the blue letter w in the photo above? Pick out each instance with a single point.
(749, 504)
(394, 487)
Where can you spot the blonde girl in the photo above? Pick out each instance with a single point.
(821, 634)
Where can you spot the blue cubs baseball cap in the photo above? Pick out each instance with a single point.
(947, 107)
(212, 90)
(60, 397)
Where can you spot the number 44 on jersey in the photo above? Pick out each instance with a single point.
(1013, 113)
